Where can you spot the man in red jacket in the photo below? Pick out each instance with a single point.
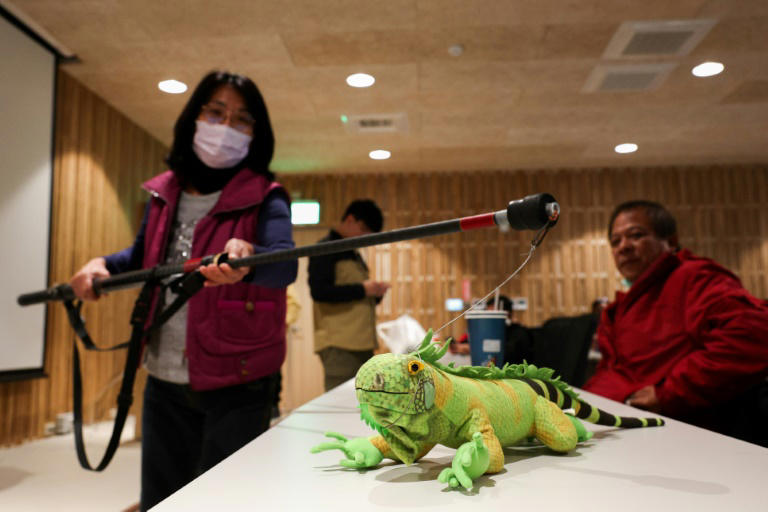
(686, 337)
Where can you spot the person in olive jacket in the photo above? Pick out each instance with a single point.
(344, 298)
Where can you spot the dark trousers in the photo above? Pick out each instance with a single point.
(341, 365)
(186, 432)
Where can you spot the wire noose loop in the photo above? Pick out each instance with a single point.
(539, 236)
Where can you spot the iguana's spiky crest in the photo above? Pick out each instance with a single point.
(432, 352)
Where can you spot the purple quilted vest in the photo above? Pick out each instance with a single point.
(235, 333)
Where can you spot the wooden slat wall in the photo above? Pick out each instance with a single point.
(100, 159)
(302, 371)
(722, 213)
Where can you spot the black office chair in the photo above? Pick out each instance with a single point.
(562, 343)
(743, 417)
(519, 341)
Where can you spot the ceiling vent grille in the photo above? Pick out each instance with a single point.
(669, 38)
(627, 77)
(377, 123)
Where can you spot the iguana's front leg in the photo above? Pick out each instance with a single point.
(481, 454)
(364, 452)
(360, 451)
(383, 446)
(469, 463)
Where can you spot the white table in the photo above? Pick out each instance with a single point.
(675, 467)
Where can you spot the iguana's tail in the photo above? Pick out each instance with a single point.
(588, 412)
(567, 399)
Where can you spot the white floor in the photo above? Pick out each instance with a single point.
(45, 474)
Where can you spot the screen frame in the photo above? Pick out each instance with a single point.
(35, 372)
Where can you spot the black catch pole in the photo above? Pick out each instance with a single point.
(530, 213)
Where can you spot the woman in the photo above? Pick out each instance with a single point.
(213, 367)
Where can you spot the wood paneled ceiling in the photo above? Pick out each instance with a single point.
(514, 98)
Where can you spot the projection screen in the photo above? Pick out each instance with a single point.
(27, 97)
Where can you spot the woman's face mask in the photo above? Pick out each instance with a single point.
(218, 145)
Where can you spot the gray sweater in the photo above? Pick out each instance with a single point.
(165, 354)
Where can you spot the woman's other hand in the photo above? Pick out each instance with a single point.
(224, 273)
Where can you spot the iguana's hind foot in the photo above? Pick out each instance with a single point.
(582, 433)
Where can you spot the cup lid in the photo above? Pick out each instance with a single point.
(487, 313)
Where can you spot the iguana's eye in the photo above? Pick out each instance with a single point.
(415, 366)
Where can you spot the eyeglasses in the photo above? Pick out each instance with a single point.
(216, 114)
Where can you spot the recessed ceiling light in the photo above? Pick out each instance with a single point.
(360, 80)
(379, 154)
(172, 86)
(627, 147)
(456, 50)
(708, 69)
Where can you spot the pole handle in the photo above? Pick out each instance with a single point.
(58, 292)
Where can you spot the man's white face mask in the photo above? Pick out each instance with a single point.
(218, 145)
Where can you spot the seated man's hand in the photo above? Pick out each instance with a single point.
(645, 398)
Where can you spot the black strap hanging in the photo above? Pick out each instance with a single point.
(185, 287)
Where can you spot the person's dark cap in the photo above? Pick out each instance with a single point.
(366, 211)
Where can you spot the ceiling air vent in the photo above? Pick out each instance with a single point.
(377, 123)
(669, 38)
(627, 77)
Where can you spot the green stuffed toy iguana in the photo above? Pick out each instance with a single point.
(415, 403)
